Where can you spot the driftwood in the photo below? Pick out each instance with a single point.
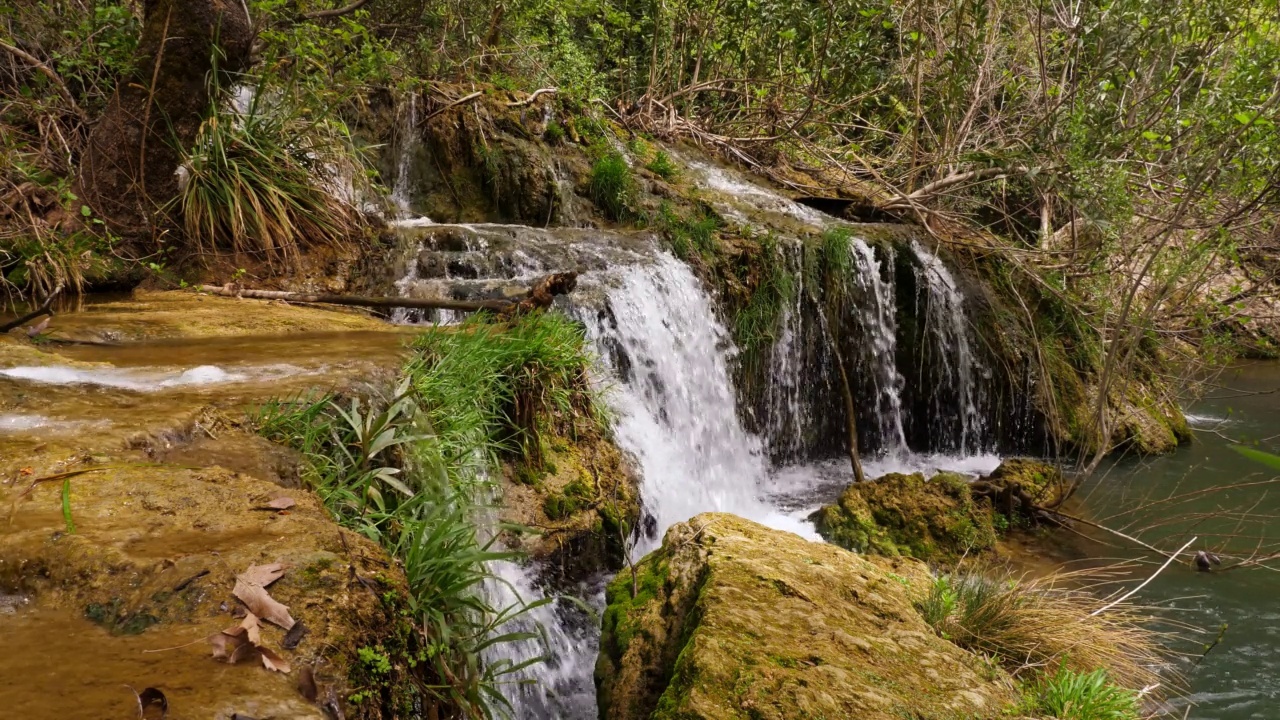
(539, 296)
(45, 309)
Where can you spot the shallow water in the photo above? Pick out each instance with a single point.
(1240, 678)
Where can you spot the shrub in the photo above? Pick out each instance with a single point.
(1068, 695)
(613, 185)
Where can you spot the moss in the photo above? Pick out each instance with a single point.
(935, 519)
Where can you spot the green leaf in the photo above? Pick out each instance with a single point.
(1266, 458)
(85, 211)
(1244, 118)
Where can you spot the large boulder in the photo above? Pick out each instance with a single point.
(730, 619)
(935, 519)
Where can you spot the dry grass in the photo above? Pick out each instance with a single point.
(1038, 627)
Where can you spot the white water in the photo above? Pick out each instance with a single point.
(880, 325)
(948, 326)
(408, 142)
(147, 379)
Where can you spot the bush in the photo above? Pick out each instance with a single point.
(662, 166)
(613, 185)
(1089, 696)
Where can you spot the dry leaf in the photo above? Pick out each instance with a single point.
(262, 575)
(272, 661)
(260, 603)
(252, 628)
(281, 503)
(294, 636)
(152, 704)
(227, 643)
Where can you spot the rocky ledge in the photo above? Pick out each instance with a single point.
(731, 619)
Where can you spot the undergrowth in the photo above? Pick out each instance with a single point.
(269, 181)
(613, 185)
(1068, 695)
(1032, 625)
(410, 471)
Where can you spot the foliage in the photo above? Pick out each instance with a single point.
(757, 324)
(495, 388)
(268, 180)
(662, 166)
(1029, 625)
(692, 235)
(613, 185)
(1068, 695)
(1259, 456)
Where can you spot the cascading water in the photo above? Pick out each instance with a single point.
(407, 142)
(955, 393)
(879, 326)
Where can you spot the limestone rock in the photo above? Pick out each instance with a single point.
(934, 519)
(731, 619)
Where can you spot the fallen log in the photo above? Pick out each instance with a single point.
(540, 295)
(45, 309)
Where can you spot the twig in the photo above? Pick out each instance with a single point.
(322, 14)
(1134, 591)
(49, 73)
(459, 101)
(44, 309)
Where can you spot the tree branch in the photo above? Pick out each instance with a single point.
(324, 14)
(49, 73)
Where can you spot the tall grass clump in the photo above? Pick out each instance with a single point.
(758, 323)
(1032, 625)
(613, 185)
(692, 236)
(498, 387)
(269, 181)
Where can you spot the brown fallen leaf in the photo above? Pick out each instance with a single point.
(281, 503)
(272, 661)
(262, 575)
(260, 603)
(227, 644)
(152, 704)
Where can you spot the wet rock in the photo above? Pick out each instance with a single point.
(732, 619)
(1042, 482)
(935, 519)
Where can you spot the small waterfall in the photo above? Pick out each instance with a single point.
(955, 393)
(407, 143)
(676, 407)
(785, 406)
(877, 316)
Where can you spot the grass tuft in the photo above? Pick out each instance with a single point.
(269, 182)
(613, 185)
(662, 166)
(1068, 695)
(1031, 625)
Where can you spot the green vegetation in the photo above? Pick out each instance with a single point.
(613, 185)
(662, 166)
(409, 471)
(265, 182)
(1067, 695)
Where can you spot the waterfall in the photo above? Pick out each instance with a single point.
(955, 394)
(878, 318)
(676, 408)
(406, 145)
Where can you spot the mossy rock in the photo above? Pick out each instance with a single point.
(934, 519)
(730, 619)
(1043, 482)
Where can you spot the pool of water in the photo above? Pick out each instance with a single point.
(1231, 504)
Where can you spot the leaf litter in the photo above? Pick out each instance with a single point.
(244, 641)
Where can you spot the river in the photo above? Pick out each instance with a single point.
(1240, 677)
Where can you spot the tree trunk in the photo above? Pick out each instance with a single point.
(128, 170)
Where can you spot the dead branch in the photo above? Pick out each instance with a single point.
(44, 309)
(323, 14)
(49, 73)
(539, 296)
(459, 101)
(533, 96)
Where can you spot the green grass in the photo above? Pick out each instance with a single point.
(409, 470)
(695, 235)
(1068, 695)
(662, 166)
(757, 324)
(263, 183)
(613, 185)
